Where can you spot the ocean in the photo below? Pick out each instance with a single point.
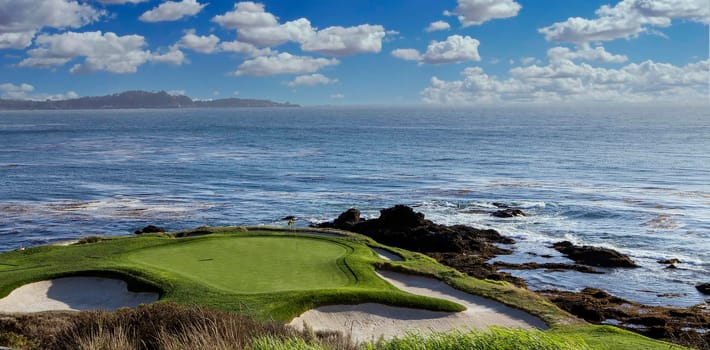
(635, 180)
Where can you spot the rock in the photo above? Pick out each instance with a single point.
(500, 205)
(703, 288)
(349, 218)
(673, 261)
(401, 226)
(288, 218)
(594, 256)
(150, 229)
(508, 213)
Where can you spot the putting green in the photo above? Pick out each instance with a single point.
(260, 264)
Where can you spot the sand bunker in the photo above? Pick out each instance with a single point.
(73, 293)
(387, 255)
(368, 322)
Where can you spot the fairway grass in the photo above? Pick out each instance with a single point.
(252, 265)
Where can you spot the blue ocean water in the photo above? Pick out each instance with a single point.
(636, 180)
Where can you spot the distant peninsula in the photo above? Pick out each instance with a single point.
(137, 99)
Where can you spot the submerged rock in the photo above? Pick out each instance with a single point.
(508, 213)
(594, 256)
(703, 288)
(150, 229)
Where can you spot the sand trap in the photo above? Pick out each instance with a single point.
(73, 293)
(387, 255)
(368, 322)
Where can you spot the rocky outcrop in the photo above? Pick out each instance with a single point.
(401, 226)
(672, 324)
(594, 256)
(149, 229)
(508, 213)
(703, 288)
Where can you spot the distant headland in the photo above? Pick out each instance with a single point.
(137, 99)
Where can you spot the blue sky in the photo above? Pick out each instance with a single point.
(314, 52)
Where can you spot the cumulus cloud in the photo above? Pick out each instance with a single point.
(20, 20)
(260, 28)
(100, 51)
(476, 12)
(584, 53)
(172, 10)
(120, 2)
(341, 41)
(627, 19)
(199, 43)
(567, 81)
(245, 48)
(25, 92)
(437, 26)
(283, 63)
(454, 49)
(311, 80)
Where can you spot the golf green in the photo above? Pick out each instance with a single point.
(260, 264)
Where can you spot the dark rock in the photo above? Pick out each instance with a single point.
(508, 213)
(288, 218)
(594, 256)
(666, 323)
(150, 229)
(553, 267)
(703, 288)
(462, 247)
(500, 205)
(673, 261)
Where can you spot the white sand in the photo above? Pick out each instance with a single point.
(73, 293)
(367, 322)
(387, 255)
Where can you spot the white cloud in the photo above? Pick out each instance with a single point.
(260, 28)
(174, 56)
(627, 19)
(476, 12)
(172, 10)
(454, 49)
(120, 2)
(101, 51)
(245, 48)
(199, 43)
(525, 61)
(337, 96)
(407, 54)
(20, 20)
(341, 41)
(311, 80)
(24, 92)
(584, 52)
(437, 26)
(283, 63)
(566, 81)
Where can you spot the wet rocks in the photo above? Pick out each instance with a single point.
(508, 213)
(703, 288)
(671, 324)
(594, 256)
(401, 226)
(149, 229)
(288, 218)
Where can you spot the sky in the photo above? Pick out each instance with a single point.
(361, 52)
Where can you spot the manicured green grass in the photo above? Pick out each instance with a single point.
(254, 264)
